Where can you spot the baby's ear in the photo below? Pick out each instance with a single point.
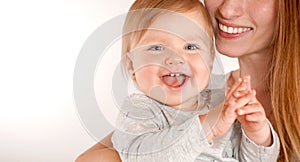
(129, 66)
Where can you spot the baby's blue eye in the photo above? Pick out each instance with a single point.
(156, 48)
(191, 47)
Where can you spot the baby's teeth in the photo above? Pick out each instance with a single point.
(174, 75)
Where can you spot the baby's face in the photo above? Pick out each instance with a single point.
(172, 67)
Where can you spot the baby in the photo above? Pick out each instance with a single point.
(168, 50)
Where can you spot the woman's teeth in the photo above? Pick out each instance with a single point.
(233, 30)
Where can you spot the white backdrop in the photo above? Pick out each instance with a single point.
(39, 44)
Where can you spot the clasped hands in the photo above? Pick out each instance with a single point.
(240, 104)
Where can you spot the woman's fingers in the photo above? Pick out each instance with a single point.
(255, 117)
(253, 112)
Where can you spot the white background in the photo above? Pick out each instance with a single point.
(39, 44)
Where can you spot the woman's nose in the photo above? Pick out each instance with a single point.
(231, 9)
(175, 59)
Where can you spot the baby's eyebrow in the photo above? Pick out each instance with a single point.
(153, 40)
(200, 41)
(198, 36)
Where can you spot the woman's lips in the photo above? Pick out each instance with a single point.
(232, 31)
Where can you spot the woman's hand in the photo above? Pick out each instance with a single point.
(218, 121)
(252, 114)
(102, 151)
(231, 105)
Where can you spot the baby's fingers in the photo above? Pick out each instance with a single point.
(230, 91)
(239, 94)
(245, 84)
(247, 81)
(239, 88)
(243, 101)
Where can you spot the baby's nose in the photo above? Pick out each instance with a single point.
(175, 60)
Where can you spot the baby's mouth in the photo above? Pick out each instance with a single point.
(174, 79)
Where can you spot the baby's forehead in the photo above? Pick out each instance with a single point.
(181, 25)
(165, 36)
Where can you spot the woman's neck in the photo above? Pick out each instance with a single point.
(257, 67)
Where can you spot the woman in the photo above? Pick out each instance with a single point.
(264, 35)
(269, 52)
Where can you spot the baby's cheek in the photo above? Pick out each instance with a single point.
(146, 79)
(202, 77)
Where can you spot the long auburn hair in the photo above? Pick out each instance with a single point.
(285, 79)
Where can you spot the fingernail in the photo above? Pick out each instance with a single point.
(240, 112)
